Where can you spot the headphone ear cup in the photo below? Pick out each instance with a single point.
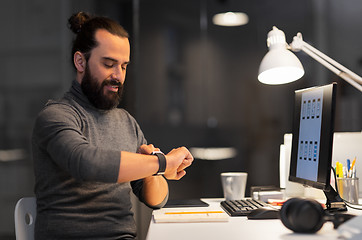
(285, 212)
(302, 215)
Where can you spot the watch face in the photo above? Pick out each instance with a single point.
(154, 152)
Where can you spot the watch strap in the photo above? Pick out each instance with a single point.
(161, 162)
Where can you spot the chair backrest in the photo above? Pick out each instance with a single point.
(25, 214)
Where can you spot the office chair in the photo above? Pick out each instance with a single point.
(24, 215)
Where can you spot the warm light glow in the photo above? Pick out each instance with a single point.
(213, 153)
(280, 75)
(230, 19)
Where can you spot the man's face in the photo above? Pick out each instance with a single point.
(105, 70)
(96, 93)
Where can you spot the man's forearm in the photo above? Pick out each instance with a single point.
(155, 190)
(142, 166)
(135, 166)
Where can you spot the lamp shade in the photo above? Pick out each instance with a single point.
(279, 65)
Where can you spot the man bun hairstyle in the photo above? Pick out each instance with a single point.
(76, 21)
(85, 26)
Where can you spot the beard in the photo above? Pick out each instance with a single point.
(95, 91)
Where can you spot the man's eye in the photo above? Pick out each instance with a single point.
(108, 65)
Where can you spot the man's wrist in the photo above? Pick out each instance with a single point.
(161, 162)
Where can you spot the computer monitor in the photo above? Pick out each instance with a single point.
(312, 143)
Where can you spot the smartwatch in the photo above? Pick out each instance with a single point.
(161, 162)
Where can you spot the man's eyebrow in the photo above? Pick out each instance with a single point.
(114, 60)
(110, 59)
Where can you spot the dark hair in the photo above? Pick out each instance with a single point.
(85, 26)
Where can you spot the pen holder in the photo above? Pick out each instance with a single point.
(348, 189)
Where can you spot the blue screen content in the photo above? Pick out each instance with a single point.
(309, 135)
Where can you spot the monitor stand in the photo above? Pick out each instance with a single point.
(334, 202)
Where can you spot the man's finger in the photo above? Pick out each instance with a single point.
(180, 174)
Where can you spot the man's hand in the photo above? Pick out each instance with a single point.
(147, 149)
(177, 160)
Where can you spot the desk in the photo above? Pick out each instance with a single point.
(235, 229)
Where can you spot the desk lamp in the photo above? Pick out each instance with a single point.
(281, 66)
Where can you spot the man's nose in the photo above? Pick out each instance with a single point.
(119, 75)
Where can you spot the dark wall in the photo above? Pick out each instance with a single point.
(197, 84)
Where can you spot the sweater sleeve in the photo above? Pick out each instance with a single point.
(57, 132)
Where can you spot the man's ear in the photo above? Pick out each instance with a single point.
(79, 61)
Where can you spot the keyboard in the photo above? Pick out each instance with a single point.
(241, 207)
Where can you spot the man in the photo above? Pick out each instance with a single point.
(89, 154)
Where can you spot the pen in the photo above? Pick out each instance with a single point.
(348, 165)
(201, 212)
(348, 168)
(354, 173)
(337, 169)
(352, 167)
(353, 162)
(341, 175)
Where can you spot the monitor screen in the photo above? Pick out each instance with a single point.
(312, 142)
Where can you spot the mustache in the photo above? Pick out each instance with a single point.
(112, 82)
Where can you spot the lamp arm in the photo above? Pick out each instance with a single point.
(343, 72)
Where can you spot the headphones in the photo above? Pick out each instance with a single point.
(308, 216)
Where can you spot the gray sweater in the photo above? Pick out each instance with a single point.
(76, 152)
